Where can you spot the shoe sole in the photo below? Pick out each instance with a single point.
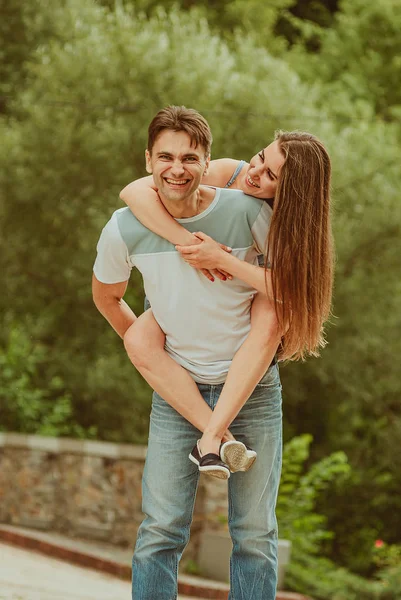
(237, 457)
(216, 472)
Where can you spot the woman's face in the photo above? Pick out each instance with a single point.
(263, 172)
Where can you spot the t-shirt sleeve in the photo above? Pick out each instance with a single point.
(260, 227)
(112, 264)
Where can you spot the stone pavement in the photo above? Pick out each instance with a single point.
(37, 565)
(28, 575)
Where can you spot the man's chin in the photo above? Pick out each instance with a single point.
(175, 195)
(171, 197)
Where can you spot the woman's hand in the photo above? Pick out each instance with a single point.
(205, 255)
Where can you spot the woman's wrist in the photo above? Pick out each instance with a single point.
(224, 260)
(191, 239)
(182, 237)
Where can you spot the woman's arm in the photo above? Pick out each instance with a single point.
(209, 255)
(142, 198)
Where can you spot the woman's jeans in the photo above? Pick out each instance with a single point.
(169, 486)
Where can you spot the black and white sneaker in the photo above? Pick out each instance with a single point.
(237, 456)
(210, 464)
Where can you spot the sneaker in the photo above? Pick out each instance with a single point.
(210, 464)
(237, 456)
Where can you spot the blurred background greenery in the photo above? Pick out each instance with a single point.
(79, 82)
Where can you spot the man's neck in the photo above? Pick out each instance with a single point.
(192, 206)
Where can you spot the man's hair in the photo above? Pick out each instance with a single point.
(180, 118)
(300, 244)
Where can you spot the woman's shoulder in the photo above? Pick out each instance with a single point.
(220, 171)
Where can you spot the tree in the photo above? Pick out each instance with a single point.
(76, 135)
(358, 56)
(78, 138)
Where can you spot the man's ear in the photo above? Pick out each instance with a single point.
(148, 165)
(207, 165)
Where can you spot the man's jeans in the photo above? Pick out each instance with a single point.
(169, 487)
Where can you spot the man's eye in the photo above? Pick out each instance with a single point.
(190, 159)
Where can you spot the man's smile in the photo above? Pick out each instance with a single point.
(176, 181)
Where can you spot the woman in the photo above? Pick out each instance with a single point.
(294, 292)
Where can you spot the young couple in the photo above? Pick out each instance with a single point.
(207, 346)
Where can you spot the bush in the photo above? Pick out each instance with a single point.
(29, 405)
(308, 572)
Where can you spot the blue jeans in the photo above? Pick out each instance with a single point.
(169, 487)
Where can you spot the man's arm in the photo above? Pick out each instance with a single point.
(108, 299)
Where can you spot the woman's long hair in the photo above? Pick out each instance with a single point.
(300, 245)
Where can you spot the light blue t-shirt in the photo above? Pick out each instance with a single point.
(205, 322)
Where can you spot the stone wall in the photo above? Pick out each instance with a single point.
(87, 489)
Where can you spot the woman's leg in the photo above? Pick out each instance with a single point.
(252, 495)
(144, 343)
(247, 368)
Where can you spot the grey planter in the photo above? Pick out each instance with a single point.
(214, 556)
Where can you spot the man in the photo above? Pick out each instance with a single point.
(204, 324)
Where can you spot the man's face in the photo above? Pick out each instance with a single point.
(176, 165)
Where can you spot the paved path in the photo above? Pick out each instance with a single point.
(27, 575)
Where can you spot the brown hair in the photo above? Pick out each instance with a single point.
(300, 245)
(180, 118)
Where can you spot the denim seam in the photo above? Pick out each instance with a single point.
(176, 577)
(229, 515)
(212, 389)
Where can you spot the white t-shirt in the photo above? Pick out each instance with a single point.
(205, 322)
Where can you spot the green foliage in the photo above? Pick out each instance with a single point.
(87, 80)
(23, 27)
(75, 131)
(26, 406)
(390, 579)
(309, 571)
(388, 558)
(321, 579)
(359, 56)
(387, 555)
(272, 24)
(17, 34)
(226, 17)
(298, 519)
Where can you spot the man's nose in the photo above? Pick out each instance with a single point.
(177, 168)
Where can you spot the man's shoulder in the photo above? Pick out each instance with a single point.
(127, 222)
(230, 195)
(137, 238)
(238, 203)
(124, 215)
